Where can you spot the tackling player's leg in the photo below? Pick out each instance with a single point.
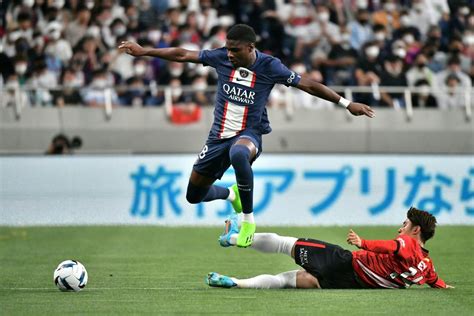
(292, 279)
(263, 242)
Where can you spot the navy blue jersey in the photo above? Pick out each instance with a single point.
(243, 93)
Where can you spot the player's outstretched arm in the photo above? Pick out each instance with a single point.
(379, 246)
(172, 53)
(321, 91)
(354, 239)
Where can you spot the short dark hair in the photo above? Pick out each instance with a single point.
(454, 60)
(425, 220)
(242, 32)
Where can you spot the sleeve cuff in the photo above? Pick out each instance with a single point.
(398, 247)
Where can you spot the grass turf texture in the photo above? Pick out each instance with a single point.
(161, 270)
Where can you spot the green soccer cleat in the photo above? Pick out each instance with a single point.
(236, 203)
(231, 227)
(246, 234)
(216, 280)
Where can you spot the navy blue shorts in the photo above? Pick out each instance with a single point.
(214, 158)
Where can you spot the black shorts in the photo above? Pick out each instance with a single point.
(330, 264)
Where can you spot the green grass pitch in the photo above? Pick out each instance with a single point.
(161, 270)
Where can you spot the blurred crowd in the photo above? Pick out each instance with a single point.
(66, 50)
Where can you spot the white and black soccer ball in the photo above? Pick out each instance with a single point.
(70, 275)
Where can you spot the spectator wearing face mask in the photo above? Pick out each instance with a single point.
(297, 17)
(393, 76)
(76, 64)
(367, 73)
(361, 30)
(57, 46)
(420, 71)
(407, 26)
(118, 29)
(16, 79)
(339, 67)
(382, 39)
(78, 27)
(175, 70)
(94, 95)
(418, 16)
(201, 96)
(399, 49)
(458, 47)
(300, 99)
(436, 9)
(451, 95)
(90, 50)
(454, 68)
(424, 97)
(136, 92)
(21, 68)
(69, 94)
(459, 20)
(323, 33)
(433, 51)
(388, 16)
(23, 29)
(181, 109)
(43, 80)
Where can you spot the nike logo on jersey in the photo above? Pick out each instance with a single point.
(243, 76)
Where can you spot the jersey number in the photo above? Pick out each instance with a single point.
(410, 273)
(203, 152)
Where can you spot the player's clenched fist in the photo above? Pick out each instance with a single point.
(354, 239)
(132, 48)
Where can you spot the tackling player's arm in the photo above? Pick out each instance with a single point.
(172, 53)
(321, 91)
(379, 246)
(393, 246)
(432, 278)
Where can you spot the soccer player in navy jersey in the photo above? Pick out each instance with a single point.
(245, 79)
(386, 264)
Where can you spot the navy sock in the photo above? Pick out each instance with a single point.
(216, 193)
(196, 194)
(240, 160)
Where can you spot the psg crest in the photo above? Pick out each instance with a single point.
(244, 73)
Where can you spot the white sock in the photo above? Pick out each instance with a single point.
(248, 217)
(231, 196)
(273, 243)
(266, 281)
(233, 239)
(269, 243)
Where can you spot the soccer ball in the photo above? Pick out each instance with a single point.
(70, 275)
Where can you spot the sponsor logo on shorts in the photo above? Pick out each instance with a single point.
(303, 256)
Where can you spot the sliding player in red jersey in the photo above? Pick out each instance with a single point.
(386, 264)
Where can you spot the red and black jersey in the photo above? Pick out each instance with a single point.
(397, 263)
